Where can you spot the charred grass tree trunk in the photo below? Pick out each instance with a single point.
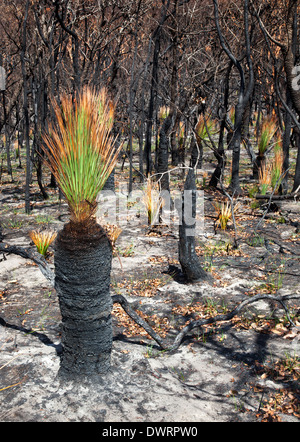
(83, 259)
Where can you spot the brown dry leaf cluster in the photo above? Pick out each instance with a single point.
(268, 288)
(113, 232)
(282, 370)
(183, 310)
(160, 325)
(158, 259)
(263, 324)
(218, 251)
(146, 288)
(285, 400)
(197, 311)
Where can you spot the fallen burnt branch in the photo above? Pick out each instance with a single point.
(230, 315)
(30, 254)
(288, 196)
(199, 323)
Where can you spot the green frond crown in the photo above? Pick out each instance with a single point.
(80, 149)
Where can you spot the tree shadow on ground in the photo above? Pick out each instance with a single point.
(41, 336)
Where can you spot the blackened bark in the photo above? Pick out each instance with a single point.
(199, 149)
(52, 184)
(286, 140)
(220, 154)
(196, 156)
(188, 258)
(174, 85)
(26, 114)
(245, 132)
(82, 280)
(228, 316)
(39, 96)
(75, 48)
(244, 93)
(288, 51)
(258, 165)
(163, 153)
(7, 138)
(137, 319)
(293, 97)
(236, 145)
(174, 146)
(19, 136)
(39, 176)
(153, 90)
(297, 171)
(110, 182)
(154, 81)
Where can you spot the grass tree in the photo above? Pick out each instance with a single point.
(81, 153)
(270, 174)
(269, 128)
(42, 240)
(152, 201)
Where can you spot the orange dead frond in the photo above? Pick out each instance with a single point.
(113, 232)
(152, 200)
(224, 213)
(42, 240)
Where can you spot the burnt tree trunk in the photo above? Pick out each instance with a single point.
(188, 258)
(286, 141)
(82, 281)
(26, 113)
(163, 153)
(244, 93)
(297, 171)
(220, 154)
(258, 165)
(150, 116)
(156, 37)
(195, 147)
